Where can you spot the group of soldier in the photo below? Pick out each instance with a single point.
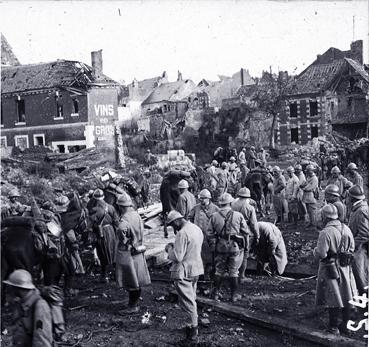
(215, 234)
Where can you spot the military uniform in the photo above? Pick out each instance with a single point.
(186, 267)
(186, 202)
(292, 188)
(357, 179)
(334, 291)
(200, 216)
(359, 225)
(310, 186)
(271, 248)
(342, 183)
(227, 258)
(33, 322)
(279, 198)
(15, 208)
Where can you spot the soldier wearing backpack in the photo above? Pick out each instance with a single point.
(228, 235)
(33, 319)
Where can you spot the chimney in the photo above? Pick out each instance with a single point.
(318, 58)
(242, 78)
(356, 51)
(97, 63)
(179, 78)
(283, 76)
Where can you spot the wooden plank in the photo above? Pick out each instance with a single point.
(280, 325)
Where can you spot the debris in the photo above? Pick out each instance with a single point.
(205, 322)
(279, 310)
(160, 298)
(146, 318)
(77, 307)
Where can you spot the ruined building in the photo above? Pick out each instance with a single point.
(330, 94)
(65, 105)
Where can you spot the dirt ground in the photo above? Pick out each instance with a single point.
(98, 323)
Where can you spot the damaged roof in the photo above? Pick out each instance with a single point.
(317, 78)
(172, 91)
(50, 75)
(360, 69)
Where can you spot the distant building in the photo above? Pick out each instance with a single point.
(65, 105)
(331, 94)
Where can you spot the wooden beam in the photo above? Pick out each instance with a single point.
(280, 325)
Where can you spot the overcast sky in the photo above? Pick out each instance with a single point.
(200, 38)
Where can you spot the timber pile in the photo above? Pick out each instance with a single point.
(151, 215)
(84, 159)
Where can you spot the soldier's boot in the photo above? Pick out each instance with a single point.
(243, 267)
(133, 307)
(217, 284)
(192, 334)
(234, 287)
(346, 313)
(333, 321)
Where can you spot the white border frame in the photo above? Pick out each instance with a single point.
(39, 135)
(16, 137)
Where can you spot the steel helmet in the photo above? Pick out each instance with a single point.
(214, 162)
(329, 211)
(21, 279)
(124, 200)
(276, 169)
(232, 159)
(205, 194)
(290, 169)
(224, 165)
(298, 167)
(225, 199)
(357, 192)
(98, 194)
(182, 184)
(14, 193)
(244, 193)
(352, 166)
(309, 167)
(252, 148)
(172, 216)
(332, 189)
(335, 169)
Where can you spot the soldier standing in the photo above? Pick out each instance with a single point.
(310, 187)
(335, 283)
(332, 196)
(33, 322)
(186, 201)
(186, 267)
(302, 179)
(242, 205)
(200, 216)
(341, 182)
(228, 233)
(15, 207)
(292, 188)
(131, 268)
(279, 199)
(355, 177)
(359, 225)
(104, 220)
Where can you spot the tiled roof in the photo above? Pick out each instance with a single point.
(317, 77)
(48, 75)
(172, 91)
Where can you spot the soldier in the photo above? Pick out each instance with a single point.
(186, 201)
(251, 157)
(104, 221)
(15, 207)
(279, 199)
(271, 250)
(301, 206)
(341, 182)
(244, 171)
(131, 269)
(228, 233)
(359, 225)
(222, 184)
(354, 176)
(310, 187)
(186, 267)
(332, 196)
(335, 283)
(145, 187)
(200, 216)
(242, 205)
(212, 173)
(234, 178)
(242, 155)
(33, 321)
(292, 188)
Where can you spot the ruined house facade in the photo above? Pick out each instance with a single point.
(331, 94)
(64, 105)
